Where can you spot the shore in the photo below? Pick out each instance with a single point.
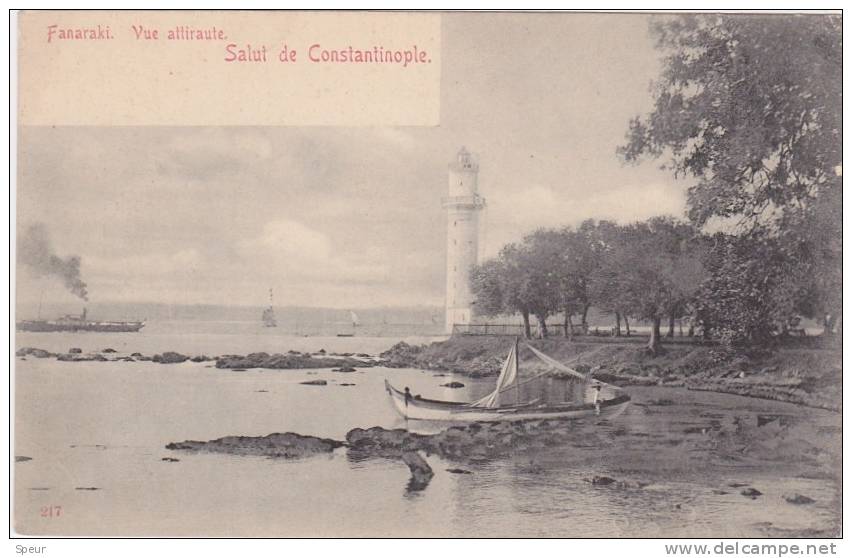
(811, 377)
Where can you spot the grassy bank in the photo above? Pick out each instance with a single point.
(805, 376)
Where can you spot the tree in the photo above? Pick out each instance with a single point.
(652, 271)
(541, 270)
(750, 106)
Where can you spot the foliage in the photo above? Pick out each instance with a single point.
(751, 108)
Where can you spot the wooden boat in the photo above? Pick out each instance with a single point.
(600, 400)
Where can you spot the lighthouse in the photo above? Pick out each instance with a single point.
(463, 204)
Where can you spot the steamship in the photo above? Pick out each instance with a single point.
(71, 322)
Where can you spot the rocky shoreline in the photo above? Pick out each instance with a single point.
(810, 377)
(615, 455)
(292, 360)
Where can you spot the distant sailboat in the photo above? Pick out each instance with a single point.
(268, 316)
(355, 323)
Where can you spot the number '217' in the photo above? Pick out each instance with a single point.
(51, 511)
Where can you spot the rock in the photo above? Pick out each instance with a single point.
(170, 459)
(720, 492)
(21, 458)
(200, 358)
(170, 357)
(260, 391)
(108, 350)
(454, 385)
(421, 472)
(798, 499)
(38, 353)
(75, 350)
(344, 384)
(751, 493)
(737, 484)
(321, 352)
(602, 480)
(136, 355)
(76, 357)
(87, 488)
(314, 383)
(459, 471)
(344, 369)
(287, 445)
(363, 355)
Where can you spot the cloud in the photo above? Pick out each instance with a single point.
(148, 265)
(299, 252)
(212, 152)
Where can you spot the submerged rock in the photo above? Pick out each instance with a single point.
(108, 350)
(454, 385)
(344, 369)
(38, 353)
(751, 493)
(170, 357)
(314, 383)
(75, 350)
(20, 458)
(170, 459)
(602, 480)
(798, 499)
(459, 471)
(287, 445)
(421, 472)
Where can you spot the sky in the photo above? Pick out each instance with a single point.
(351, 217)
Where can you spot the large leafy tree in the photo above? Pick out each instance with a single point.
(750, 106)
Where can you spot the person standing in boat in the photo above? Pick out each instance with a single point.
(407, 395)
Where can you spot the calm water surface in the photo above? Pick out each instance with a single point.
(104, 425)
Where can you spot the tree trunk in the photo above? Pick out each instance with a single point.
(542, 326)
(618, 324)
(526, 316)
(584, 322)
(654, 342)
(570, 327)
(626, 326)
(566, 325)
(671, 325)
(691, 331)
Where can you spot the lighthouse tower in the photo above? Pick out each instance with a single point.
(463, 205)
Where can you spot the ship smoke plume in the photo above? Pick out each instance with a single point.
(36, 252)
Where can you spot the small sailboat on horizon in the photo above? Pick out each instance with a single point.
(355, 323)
(268, 316)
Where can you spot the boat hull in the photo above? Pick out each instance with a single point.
(418, 408)
(47, 326)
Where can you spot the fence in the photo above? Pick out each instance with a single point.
(514, 329)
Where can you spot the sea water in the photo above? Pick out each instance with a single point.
(96, 434)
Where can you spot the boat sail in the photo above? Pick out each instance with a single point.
(268, 315)
(516, 398)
